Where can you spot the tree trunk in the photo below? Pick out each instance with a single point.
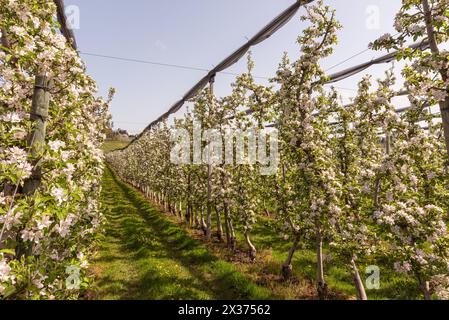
(209, 203)
(187, 215)
(169, 205)
(202, 222)
(219, 225)
(192, 215)
(227, 227)
(232, 230)
(287, 267)
(265, 209)
(180, 209)
(360, 289)
(252, 248)
(426, 291)
(425, 288)
(173, 206)
(197, 218)
(322, 286)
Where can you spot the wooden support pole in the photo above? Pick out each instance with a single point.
(360, 289)
(209, 171)
(36, 140)
(388, 142)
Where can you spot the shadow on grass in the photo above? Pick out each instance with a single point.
(145, 256)
(392, 284)
(150, 243)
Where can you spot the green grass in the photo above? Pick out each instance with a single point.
(392, 284)
(109, 145)
(142, 255)
(146, 255)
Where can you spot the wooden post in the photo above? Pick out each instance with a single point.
(219, 225)
(287, 268)
(388, 142)
(360, 289)
(36, 140)
(209, 171)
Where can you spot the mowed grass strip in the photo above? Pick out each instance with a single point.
(111, 145)
(142, 255)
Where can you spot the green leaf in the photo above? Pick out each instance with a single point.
(8, 251)
(9, 291)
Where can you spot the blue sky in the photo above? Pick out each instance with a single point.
(200, 33)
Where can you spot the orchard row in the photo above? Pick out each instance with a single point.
(362, 181)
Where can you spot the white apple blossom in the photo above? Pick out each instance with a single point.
(35, 41)
(59, 194)
(56, 145)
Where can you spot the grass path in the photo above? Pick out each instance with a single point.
(145, 255)
(142, 255)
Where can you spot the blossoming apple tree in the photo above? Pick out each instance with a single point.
(48, 229)
(360, 181)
